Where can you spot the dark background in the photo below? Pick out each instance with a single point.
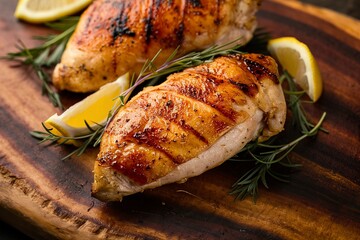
(348, 7)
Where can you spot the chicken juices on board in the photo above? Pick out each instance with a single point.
(114, 37)
(194, 121)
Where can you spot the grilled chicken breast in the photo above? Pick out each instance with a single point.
(191, 123)
(114, 37)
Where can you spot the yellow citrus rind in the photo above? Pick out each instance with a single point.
(296, 58)
(94, 109)
(41, 11)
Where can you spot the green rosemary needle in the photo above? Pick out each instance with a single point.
(46, 55)
(87, 140)
(149, 72)
(266, 155)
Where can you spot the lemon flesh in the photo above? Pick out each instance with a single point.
(94, 110)
(40, 11)
(296, 58)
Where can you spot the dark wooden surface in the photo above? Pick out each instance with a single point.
(321, 202)
(347, 7)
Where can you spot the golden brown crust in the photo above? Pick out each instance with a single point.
(114, 37)
(167, 125)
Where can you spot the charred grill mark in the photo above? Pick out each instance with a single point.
(167, 111)
(259, 70)
(209, 82)
(170, 32)
(217, 20)
(133, 165)
(188, 128)
(179, 32)
(121, 28)
(118, 26)
(136, 163)
(195, 3)
(148, 23)
(135, 171)
(250, 90)
(150, 136)
(220, 126)
(203, 94)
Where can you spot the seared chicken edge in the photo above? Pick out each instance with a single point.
(115, 37)
(194, 121)
(227, 146)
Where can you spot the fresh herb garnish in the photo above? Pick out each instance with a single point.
(148, 72)
(268, 154)
(265, 155)
(83, 142)
(45, 56)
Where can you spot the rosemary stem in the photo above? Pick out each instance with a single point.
(59, 37)
(310, 133)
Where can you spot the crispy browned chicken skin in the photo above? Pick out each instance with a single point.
(114, 37)
(191, 123)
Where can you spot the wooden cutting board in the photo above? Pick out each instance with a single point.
(47, 198)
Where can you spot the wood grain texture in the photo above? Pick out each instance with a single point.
(50, 199)
(347, 24)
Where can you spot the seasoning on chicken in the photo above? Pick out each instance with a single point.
(194, 121)
(115, 37)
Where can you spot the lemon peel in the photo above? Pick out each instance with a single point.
(93, 111)
(296, 58)
(41, 11)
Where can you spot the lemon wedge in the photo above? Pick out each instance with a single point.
(296, 57)
(94, 109)
(40, 11)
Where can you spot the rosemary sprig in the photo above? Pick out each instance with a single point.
(298, 114)
(83, 142)
(87, 140)
(148, 72)
(46, 55)
(266, 155)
